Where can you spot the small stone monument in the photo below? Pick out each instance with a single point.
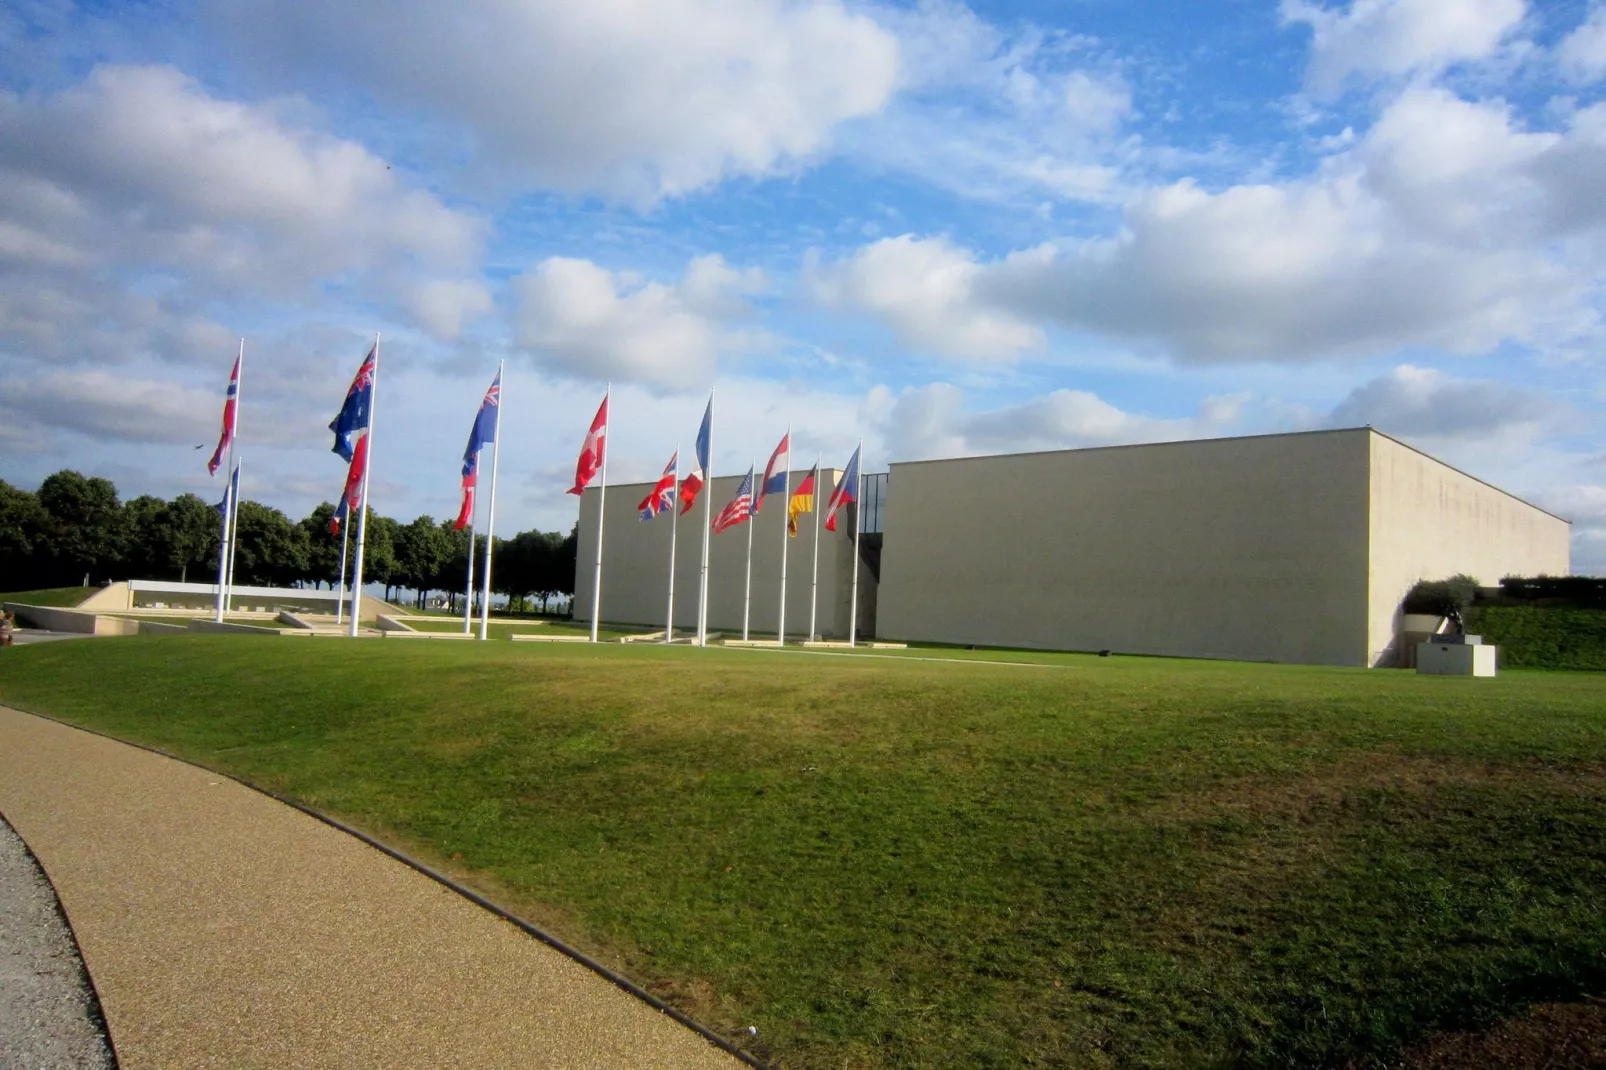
(1455, 654)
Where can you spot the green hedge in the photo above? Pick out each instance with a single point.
(1534, 637)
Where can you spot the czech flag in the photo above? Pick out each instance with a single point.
(228, 421)
(591, 454)
(693, 483)
(484, 431)
(847, 490)
(776, 471)
(662, 497)
(739, 508)
(802, 501)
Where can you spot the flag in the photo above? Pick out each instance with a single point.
(740, 507)
(662, 497)
(775, 471)
(229, 492)
(847, 490)
(590, 462)
(802, 502)
(483, 431)
(351, 496)
(227, 438)
(355, 413)
(692, 484)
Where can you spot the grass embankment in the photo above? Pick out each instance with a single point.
(501, 629)
(50, 596)
(888, 862)
(1543, 637)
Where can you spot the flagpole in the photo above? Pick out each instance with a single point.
(674, 520)
(234, 528)
(468, 584)
(747, 592)
(858, 526)
(602, 502)
(814, 584)
(362, 520)
(490, 524)
(228, 513)
(708, 500)
(345, 539)
(786, 504)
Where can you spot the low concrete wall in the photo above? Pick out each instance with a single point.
(115, 596)
(214, 626)
(387, 623)
(150, 627)
(57, 619)
(287, 617)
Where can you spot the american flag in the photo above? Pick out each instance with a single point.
(740, 507)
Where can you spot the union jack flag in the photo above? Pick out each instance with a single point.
(662, 497)
(484, 430)
(740, 507)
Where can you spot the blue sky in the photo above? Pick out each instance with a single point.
(946, 229)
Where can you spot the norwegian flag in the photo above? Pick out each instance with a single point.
(486, 425)
(227, 437)
(662, 497)
(693, 484)
(591, 454)
(739, 508)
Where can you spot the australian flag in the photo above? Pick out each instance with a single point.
(353, 419)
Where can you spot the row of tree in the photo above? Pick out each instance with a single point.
(74, 530)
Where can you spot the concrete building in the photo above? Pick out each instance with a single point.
(636, 565)
(1292, 548)
(1289, 548)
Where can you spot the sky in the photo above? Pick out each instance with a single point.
(944, 229)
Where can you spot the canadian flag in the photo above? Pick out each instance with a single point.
(590, 463)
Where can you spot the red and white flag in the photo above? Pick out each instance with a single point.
(228, 420)
(738, 509)
(590, 462)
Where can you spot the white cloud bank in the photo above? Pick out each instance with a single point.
(1390, 38)
(634, 99)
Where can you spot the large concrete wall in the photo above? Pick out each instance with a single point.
(635, 565)
(1248, 548)
(1429, 522)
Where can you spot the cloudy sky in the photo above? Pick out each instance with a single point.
(949, 229)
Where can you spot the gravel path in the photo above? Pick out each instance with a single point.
(49, 1019)
(224, 929)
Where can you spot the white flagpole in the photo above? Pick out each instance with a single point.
(362, 519)
(814, 584)
(708, 521)
(747, 592)
(602, 512)
(490, 523)
(858, 526)
(468, 584)
(345, 538)
(228, 498)
(786, 502)
(674, 515)
(234, 530)
(223, 538)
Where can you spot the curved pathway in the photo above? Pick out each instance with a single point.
(225, 929)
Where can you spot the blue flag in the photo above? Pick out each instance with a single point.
(355, 414)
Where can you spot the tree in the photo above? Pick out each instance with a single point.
(421, 548)
(379, 551)
(323, 548)
(269, 550)
(142, 518)
(86, 533)
(190, 533)
(24, 535)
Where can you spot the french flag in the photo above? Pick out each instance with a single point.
(227, 438)
(693, 483)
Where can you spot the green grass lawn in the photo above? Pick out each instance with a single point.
(888, 862)
(502, 628)
(50, 596)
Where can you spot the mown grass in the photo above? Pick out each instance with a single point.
(50, 596)
(890, 862)
(501, 629)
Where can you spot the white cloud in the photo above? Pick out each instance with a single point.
(932, 421)
(1445, 226)
(636, 99)
(1421, 402)
(586, 321)
(926, 291)
(1582, 54)
(444, 306)
(1388, 38)
(141, 164)
(108, 406)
